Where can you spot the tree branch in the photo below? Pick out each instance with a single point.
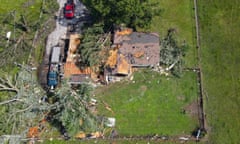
(7, 85)
(8, 81)
(9, 101)
(23, 110)
(8, 89)
(172, 65)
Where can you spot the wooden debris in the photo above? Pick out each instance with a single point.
(107, 107)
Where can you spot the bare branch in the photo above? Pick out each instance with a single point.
(23, 110)
(8, 81)
(8, 89)
(19, 40)
(6, 84)
(9, 101)
(172, 65)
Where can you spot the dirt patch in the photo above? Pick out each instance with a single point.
(192, 109)
(143, 88)
(181, 98)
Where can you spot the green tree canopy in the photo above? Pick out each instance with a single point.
(133, 13)
(92, 43)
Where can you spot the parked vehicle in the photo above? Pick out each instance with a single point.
(69, 10)
(52, 79)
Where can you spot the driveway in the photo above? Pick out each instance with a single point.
(60, 31)
(57, 36)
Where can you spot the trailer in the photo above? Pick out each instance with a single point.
(55, 56)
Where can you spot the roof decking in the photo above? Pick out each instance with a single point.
(74, 43)
(123, 65)
(70, 68)
(112, 59)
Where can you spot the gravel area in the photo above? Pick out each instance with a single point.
(60, 30)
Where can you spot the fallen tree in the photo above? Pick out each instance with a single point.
(171, 53)
(23, 106)
(73, 109)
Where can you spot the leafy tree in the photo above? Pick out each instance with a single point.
(134, 13)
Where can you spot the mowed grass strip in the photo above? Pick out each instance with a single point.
(219, 21)
(101, 141)
(177, 14)
(150, 104)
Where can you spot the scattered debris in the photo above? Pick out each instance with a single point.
(184, 138)
(111, 122)
(96, 135)
(93, 102)
(10, 139)
(93, 135)
(198, 134)
(80, 135)
(33, 132)
(113, 134)
(107, 107)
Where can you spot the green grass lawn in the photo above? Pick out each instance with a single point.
(177, 14)
(151, 105)
(219, 21)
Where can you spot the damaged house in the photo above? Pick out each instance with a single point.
(71, 70)
(131, 50)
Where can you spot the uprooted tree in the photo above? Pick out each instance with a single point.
(74, 109)
(171, 53)
(21, 107)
